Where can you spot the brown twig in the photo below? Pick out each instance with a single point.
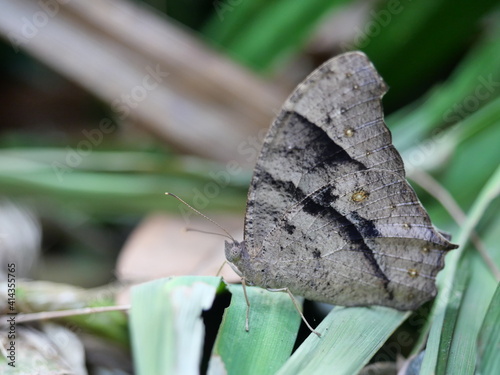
(24, 318)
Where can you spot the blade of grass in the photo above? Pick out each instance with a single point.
(166, 328)
(474, 160)
(462, 354)
(127, 187)
(274, 324)
(451, 315)
(423, 38)
(455, 154)
(349, 338)
(448, 277)
(434, 152)
(463, 349)
(488, 360)
(444, 104)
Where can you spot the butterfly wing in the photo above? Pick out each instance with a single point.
(329, 130)
(362, 239)
(332, 124)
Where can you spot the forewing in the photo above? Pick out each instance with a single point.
(331, 125)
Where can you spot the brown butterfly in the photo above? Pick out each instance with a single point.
(330, 215)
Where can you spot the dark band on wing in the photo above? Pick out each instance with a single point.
(327, 155)
(320, 204)
(287, 188)
(325, 150)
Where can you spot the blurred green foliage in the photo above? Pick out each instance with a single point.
(441, 59)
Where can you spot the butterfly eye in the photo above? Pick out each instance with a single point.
(235, 252)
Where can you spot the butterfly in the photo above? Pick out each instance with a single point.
(330, 215)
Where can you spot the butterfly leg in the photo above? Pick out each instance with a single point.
(220, 268)
(297, 307)
(244, 285)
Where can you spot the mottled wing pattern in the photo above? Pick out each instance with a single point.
(332, 124)
(329, 212)
(362, 239)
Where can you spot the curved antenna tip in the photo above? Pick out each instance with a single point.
(202, 215)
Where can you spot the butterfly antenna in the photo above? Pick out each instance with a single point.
(207, 232)
(202, 215)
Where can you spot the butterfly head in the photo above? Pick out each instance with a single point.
(236, 254)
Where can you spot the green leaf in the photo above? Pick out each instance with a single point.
(472, 85)
(412, 43)
(259, 33)
(349, 338)
(476, 297)
(463, 349)
(166, 328)
(230, 20)
(273, 323)
(462, 354)
(488, 342)
(451, 316)
(458, 152)
(111, 183)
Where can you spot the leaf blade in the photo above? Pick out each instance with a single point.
(274, 324)
(349, 338)
(166, 326)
